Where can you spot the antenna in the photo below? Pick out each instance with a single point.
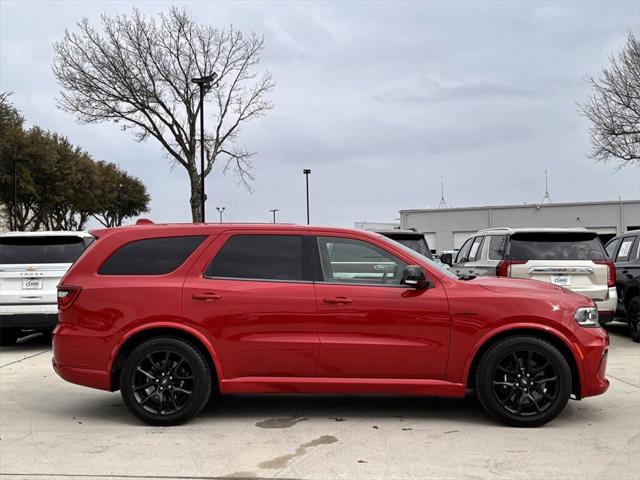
(546, 197)
(443, 201)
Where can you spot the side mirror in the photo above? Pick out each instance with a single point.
(447, 259)
(413, 276)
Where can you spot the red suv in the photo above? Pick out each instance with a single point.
(169, 314)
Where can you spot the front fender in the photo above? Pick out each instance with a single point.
(523, 327)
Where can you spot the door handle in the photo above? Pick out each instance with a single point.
(338, 300)
(207, 296)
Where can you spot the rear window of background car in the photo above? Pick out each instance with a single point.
(40, 249)
(259, 257)
(151, 256)
(555, 246)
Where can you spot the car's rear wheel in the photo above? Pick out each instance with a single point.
(633, 318)
(523, 381)
(8, 336)
(165, 381)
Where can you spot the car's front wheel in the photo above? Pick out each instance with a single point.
(633, 318)
(523, 381)
(165, 381)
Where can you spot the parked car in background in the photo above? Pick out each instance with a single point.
(572, 258)
(31, 265)
(625, 252)
(169, 314)
(409, 238)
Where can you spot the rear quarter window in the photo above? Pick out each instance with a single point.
(555, 246)
(151, 256)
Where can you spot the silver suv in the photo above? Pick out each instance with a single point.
(31, 265)
(573, 258)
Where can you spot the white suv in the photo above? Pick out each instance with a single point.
(573, 258)
(31, 265)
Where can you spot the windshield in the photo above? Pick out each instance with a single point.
(49, 249)
(421, 258)
(556, 246)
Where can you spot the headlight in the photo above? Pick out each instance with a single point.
(587, 316)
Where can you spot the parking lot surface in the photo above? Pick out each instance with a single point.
(53, 429)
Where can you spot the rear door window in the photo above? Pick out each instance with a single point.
(151, 256)
(556, 246)
(628, 250)
(40, 249)
(259, 257)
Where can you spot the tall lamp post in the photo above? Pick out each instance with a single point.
(306, 172)
(15, 193)
(273, 211)
(220, 212)
(205, 83)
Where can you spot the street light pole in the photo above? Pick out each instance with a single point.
(306, 172)
(205, 83)
(273, 211)
(15, 194)
(220, 212)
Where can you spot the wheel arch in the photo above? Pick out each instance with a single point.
(136, 336)
(554, 337)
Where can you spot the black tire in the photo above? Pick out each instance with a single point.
(633, 318)
(165, 369)
(523, 381)
(8, 337)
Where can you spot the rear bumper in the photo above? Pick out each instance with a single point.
(78, 356)
(29, 320)
(82, 376)
(608, 305)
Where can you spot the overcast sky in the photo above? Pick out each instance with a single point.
(378, 99)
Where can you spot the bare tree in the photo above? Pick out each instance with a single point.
(614, 108)
(137, 72)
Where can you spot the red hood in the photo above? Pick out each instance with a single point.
(522, 286)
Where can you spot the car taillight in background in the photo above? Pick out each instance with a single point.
(66, 296)
(611, 279)
(503, 268)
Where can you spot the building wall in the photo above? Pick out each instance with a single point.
(364, 225)
(451, 226)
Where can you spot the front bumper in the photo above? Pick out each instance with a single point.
(593, 352)
(29, 321)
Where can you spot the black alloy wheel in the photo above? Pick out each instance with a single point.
(165, 381)
(523, 381)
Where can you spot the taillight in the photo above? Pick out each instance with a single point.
(503, 269)
(66, 296)
(611, 275)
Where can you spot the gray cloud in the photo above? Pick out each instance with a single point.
(379, 99)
